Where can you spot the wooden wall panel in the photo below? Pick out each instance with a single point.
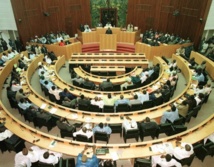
(64, 15)
(158, 15)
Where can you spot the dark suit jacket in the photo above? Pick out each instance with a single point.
(105, 84)
(149, 125)
(64, 126)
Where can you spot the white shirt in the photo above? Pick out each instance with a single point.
(4, 58)
(143, 97)
(99, 103)
(52, 159)
(181, 153)
(88, 133)
(163, 163)
(55, 93)
(34, 154)
(16, 87)
(5, 134)
(22, 160)
(129, 124)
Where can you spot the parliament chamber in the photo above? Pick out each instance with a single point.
(96, 57)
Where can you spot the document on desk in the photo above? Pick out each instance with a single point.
(157, 148)
(74, 116)
(43, 106)
(53, 143)
(114, 156)
(53, 110)
(168, 147)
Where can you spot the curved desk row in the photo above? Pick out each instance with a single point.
(156, 60)
(124, 151)
(119, 79)
(108, 56)
(112, 62)
(72, 114)
(163, 50)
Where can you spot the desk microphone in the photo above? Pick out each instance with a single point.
(37, 140)
(21, 128)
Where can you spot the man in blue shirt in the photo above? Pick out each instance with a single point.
(84, 161)
(170, 115)
(102, 128)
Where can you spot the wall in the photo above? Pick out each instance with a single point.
(121, 6)
(37, 18)
(161, 15)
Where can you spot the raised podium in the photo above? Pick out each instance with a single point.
(108, 42)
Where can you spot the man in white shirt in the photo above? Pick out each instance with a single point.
(50, 157)
(128, 82)
(164, 161)
(182, 150)
(22, 160)
(129, 124)
(98, 102)
(4, 133)
(53, 90)
(143, 96)
(86, 130)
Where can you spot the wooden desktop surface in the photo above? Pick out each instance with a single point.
(108, 56)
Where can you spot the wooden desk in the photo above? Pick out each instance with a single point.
(67, 50)
(163, 50)
(108, 42)
(122, 36)
(125, 151)
(143, 63)
(199, 58)
(118, 69)
(108, 56)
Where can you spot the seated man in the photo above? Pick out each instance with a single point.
(86, 131)
(89, 84)
(183, 108)
(21, 159)
(83, 101)
(122, 100)
(109, 100)
(69, 103)
(50, 157)
(129, 124)
(148, 124)
(164, 161)
(97, 102)
(4, 133)
(128, 82)
(182, 150)
(106, 84)
(84, 161)
(20, 95)
(63, 124)
(108, 31)
(143, 96)
(135, 79)
(55, 91)
(135, 100)
(171, 115)
(102, 128)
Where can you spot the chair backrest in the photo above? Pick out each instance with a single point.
(158, 101)
(75, 83)
(136, 107)
(83, 107)
(147, 104)
(189, 116)
(94, 108)
(108, 109)
(141, 162)
(122, 107)
(101, 136)
(83, 138)
(165, 128)
(52, 97)
(41, 164)
(187, 161)
(179, 121)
